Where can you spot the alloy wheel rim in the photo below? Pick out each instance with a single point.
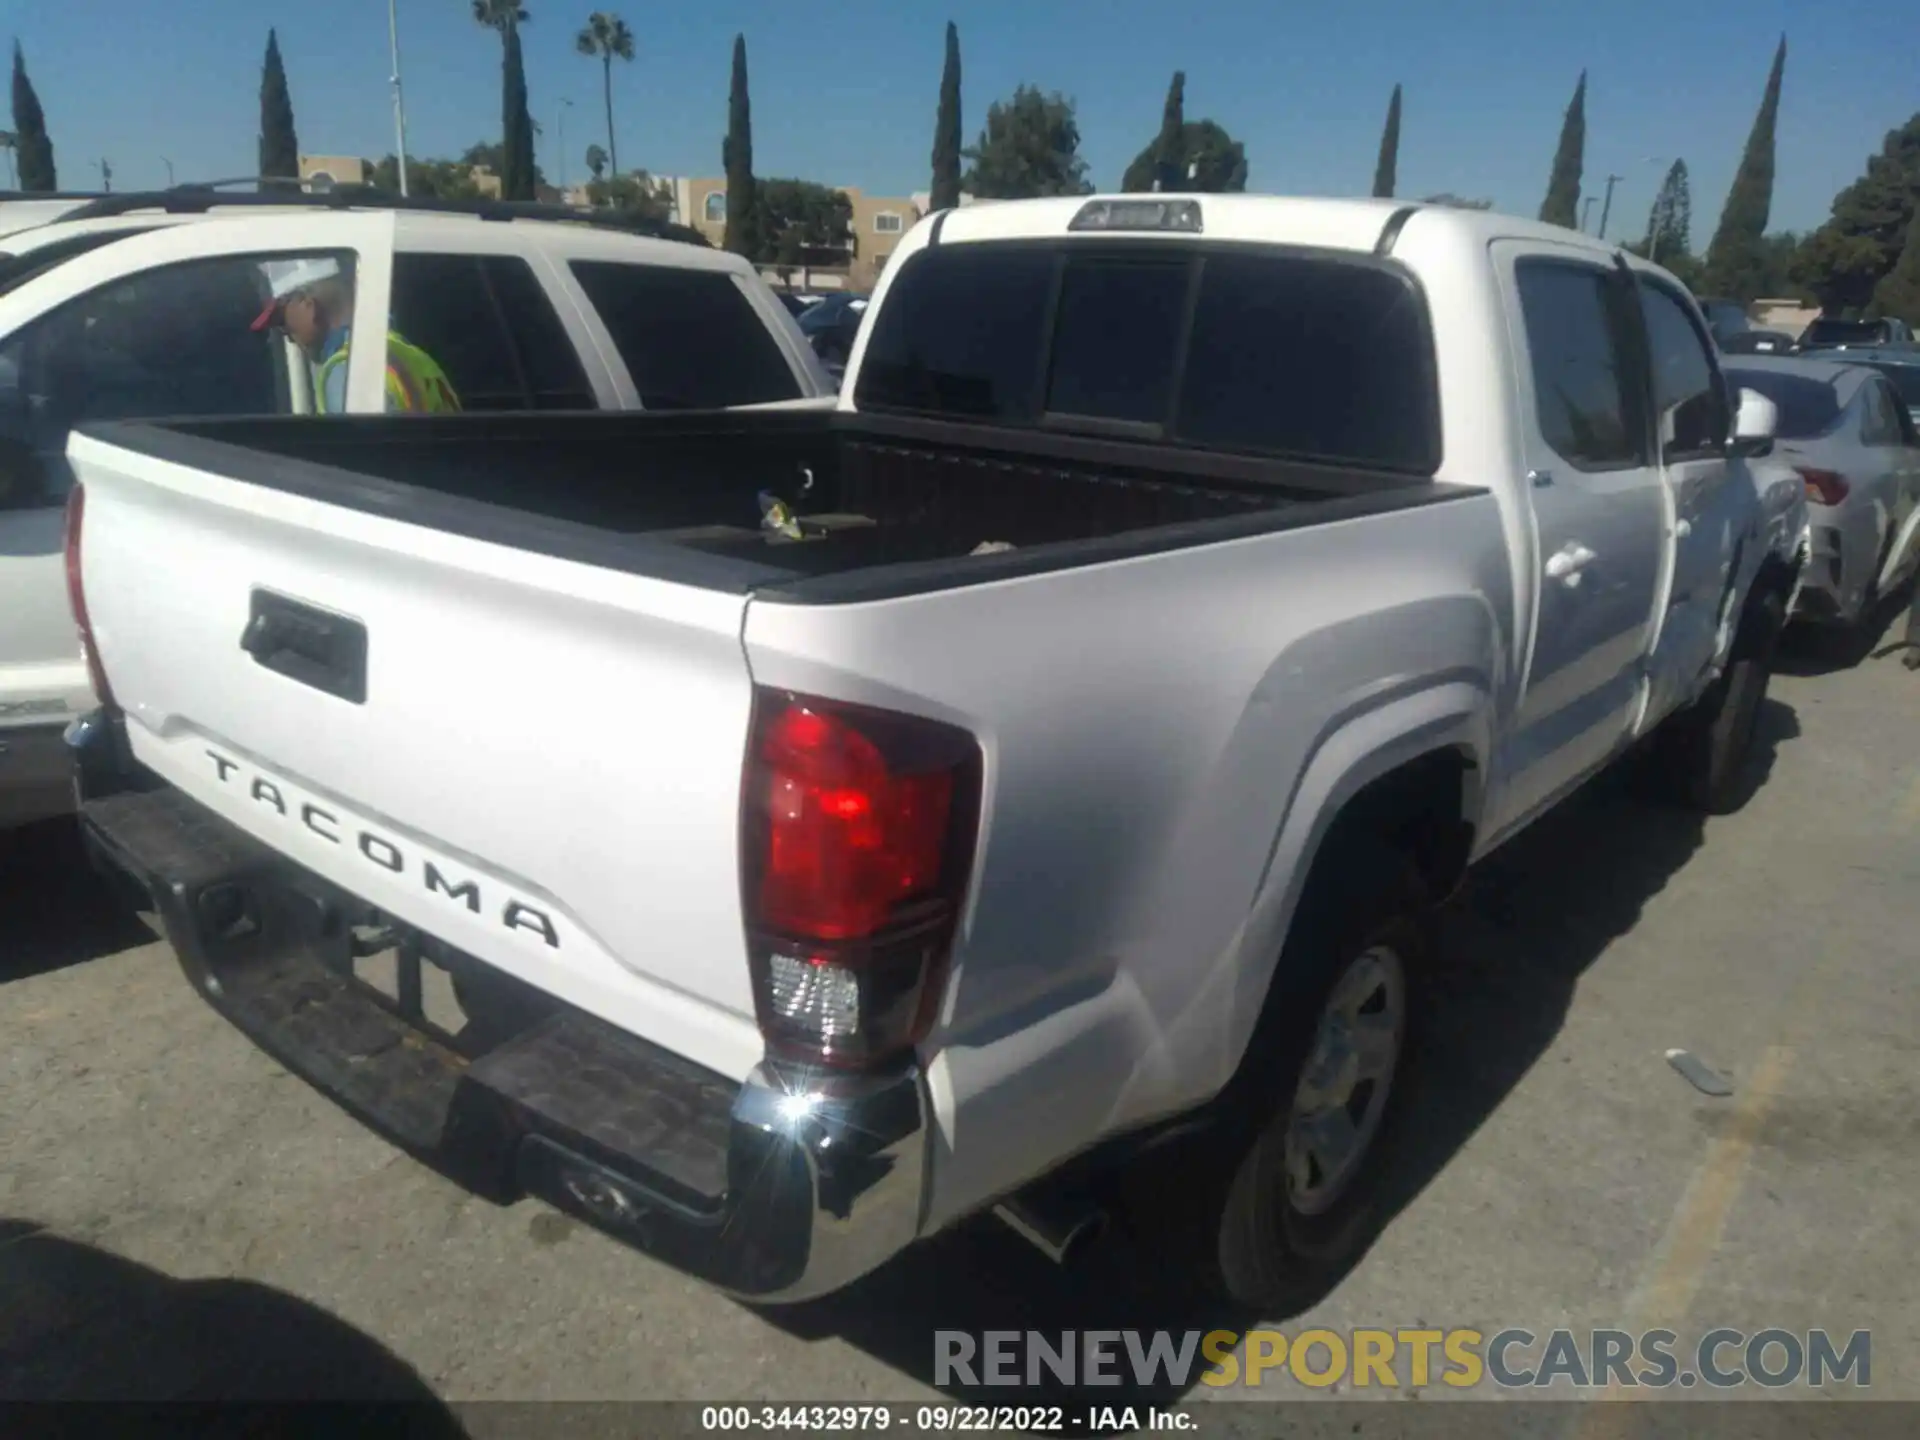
(1341, 1097)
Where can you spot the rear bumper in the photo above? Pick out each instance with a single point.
(783, 1188)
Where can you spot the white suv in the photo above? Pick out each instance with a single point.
(147, 313)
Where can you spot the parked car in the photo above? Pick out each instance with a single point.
(1900, 364)
(796, 302)
(1830, 333)
(142, 312)
(1727, 319)
(832, 326)
(1847, 432)
(1049, 763)
(1758, 342)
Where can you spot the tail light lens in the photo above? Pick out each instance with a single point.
(77, 595)
(1824, 487)
(858, 830)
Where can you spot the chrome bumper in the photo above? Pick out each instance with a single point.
(782, 1188)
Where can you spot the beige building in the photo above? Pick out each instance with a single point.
(878, 223)
(325, 171)
(1788, 316)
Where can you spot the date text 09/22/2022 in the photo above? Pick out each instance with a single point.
(940, 1419)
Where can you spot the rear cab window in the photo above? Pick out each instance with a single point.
(690, 338)
(1249, 349)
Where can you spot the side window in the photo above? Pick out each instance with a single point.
(487, 324)
(1574, 346)
(690, 338)
(548, 358)
(193, 339)
(1687, 396)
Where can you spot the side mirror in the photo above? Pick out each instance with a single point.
(1754, 424)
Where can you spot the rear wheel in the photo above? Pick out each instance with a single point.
(1702, 752)
(1299, 1192)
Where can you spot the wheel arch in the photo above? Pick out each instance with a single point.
(1413, 774)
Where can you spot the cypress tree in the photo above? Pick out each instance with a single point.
(743, 207)
(279, 146)
(1562, 205)
(34, 149)
(946, 130)
(516, 161)
(1170, 150)
(1735, 260)
(1385, 170)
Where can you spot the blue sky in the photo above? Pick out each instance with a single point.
(844, 92)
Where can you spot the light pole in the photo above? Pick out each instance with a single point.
(561, 127)
(106, 174)
(169, 164)
(1586, 209)
(1606, 205)
(399, 104)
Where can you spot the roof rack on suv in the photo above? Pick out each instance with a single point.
(199, 197)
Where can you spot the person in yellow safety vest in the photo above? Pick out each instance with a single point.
(313, 302)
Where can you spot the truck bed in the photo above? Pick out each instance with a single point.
(889, 505)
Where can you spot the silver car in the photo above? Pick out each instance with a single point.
(1846, 430)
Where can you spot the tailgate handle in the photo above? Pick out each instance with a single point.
(312, 646)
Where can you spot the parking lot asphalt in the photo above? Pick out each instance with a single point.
(176, 1210)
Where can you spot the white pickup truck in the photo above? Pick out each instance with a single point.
(1184, 594)
(141, 306)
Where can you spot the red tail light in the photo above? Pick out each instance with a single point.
(77, 595)
(1824, 487)
(857, 830)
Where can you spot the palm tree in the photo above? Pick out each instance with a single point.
(517, 168)
(606, 36)
(501, 15)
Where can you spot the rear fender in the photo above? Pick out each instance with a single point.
(1450, 715)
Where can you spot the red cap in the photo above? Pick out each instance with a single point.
(267, 316)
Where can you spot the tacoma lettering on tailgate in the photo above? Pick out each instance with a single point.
(379, 850)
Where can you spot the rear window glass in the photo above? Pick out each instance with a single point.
(1118, 371)
(1288, 354)
(1807, 407)
(1310, 357)
(960, 334)
(1844, 332)
(690, 338)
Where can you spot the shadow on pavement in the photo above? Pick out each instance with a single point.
(79, 1324)
(54, 909)
(1814, 650)
(1516, 941)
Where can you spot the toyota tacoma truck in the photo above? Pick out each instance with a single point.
(835, 825)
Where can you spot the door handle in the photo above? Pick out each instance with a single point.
(1567, 562)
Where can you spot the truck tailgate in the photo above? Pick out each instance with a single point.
(544, 767)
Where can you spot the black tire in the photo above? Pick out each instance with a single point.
(1702, 752)
(1261, 1249)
